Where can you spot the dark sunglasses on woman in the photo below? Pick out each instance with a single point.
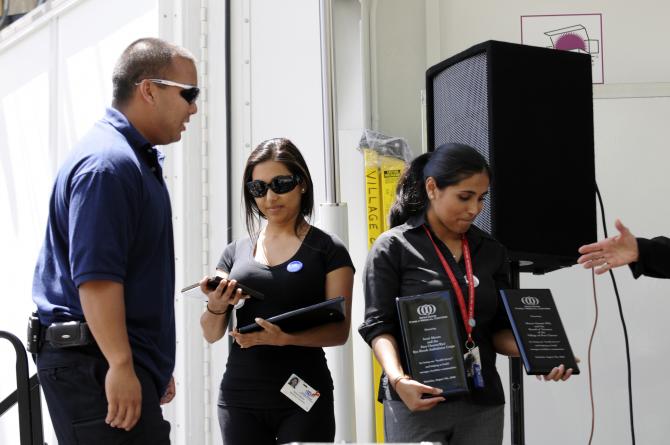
(278, 184)
(188, 92)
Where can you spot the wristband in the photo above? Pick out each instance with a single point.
(399, 378)
(214, 312)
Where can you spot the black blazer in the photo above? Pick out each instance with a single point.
(654, 258)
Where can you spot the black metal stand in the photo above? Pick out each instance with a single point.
(516, 378)
(27, 395)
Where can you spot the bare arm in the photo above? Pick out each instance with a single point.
(386, 351)
(505, 344)
(410, 391)
(339, 282)
(105, 312)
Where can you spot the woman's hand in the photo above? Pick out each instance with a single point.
(271, 334)
(558, 373)
(410, 391)
(224, 295)
(215, 319)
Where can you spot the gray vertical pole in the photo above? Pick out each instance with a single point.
(333, 218)
(329, 106)
(516, 379)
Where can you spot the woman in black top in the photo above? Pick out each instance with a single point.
(438, 198)
(295, 265)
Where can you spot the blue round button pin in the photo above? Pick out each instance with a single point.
(294, 266)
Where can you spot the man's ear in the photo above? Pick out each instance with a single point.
(146, 92)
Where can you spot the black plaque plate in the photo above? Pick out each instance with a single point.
(538, 330)
(431, 341)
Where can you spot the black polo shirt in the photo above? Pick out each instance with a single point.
(403, 262)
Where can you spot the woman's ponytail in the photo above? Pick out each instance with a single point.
(449, 164)
(411, 197)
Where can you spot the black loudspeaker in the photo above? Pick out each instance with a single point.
(529, 111)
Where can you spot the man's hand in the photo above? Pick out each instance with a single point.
(124, 397)
(105, 311)
(612, 252)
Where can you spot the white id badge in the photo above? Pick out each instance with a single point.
(300, 392)
(473, 367)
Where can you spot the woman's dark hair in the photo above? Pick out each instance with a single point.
(284, 151)
(449, 164)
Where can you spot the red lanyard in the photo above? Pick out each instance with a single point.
(469, 317)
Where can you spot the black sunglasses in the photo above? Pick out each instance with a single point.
(278, 184)
(188, 92)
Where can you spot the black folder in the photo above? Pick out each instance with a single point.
(305, 317)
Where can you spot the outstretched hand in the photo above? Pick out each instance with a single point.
(612, 252)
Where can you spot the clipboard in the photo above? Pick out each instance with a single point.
(328, 311)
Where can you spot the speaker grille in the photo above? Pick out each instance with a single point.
(510, 102)
(460, 98)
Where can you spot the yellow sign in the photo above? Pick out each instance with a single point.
(381, 179)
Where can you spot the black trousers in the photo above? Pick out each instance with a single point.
(249, 426)
(73, 381)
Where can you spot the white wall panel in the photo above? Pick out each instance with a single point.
(25, 182)
(634, 36)
(88, 48)
(631, 163)
(286, 79)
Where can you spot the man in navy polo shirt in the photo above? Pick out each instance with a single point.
(108, 259)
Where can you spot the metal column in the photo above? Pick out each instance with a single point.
(333, 218)
(516, 378)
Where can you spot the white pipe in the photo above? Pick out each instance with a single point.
(364, 376)
(333, 218)
(365, 62)
(329, 104)
(374, 88)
